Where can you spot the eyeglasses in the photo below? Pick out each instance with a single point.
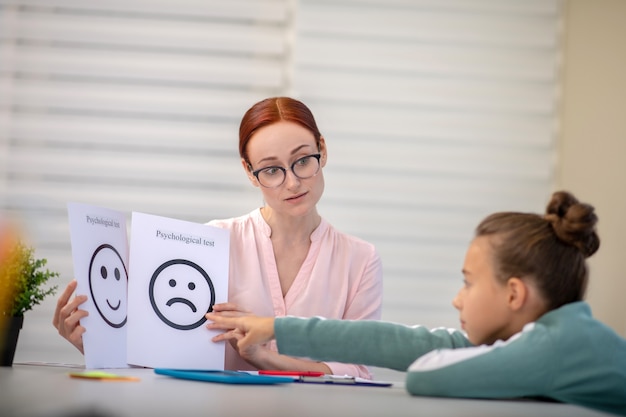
(303, 168)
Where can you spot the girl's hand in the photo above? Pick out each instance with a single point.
(247, 331)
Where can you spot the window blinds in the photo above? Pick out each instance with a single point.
(435, 113)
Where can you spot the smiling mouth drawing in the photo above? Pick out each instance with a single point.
(182, 300)
(119, 303)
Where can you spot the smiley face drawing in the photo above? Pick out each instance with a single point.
(108, 284)
(181, 293)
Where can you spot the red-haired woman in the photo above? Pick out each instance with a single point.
(285, 259)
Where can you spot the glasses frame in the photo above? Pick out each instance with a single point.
(284, 170)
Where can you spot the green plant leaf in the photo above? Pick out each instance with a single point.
(22, 281)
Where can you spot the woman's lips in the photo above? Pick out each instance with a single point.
(295, 197)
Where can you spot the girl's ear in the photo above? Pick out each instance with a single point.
(518, 293)
(246, 167)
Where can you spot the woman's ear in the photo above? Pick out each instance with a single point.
(323, 151)
(518, 293)
(246, 167)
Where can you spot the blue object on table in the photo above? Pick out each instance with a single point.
(224, 377)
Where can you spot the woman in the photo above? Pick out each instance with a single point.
(528, 332)
(285, 259)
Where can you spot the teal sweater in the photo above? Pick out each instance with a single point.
(566, 356)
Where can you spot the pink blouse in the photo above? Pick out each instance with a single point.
(341, 278)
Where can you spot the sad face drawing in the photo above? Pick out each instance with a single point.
(181, 293)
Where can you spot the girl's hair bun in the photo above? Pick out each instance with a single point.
(573, 222)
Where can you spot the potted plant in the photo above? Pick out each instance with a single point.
(22, 286)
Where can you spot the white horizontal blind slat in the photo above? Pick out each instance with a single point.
(129, 33)
(156, 101)
(80, 131)
(499, 7)
(130, 67)
(414, 23)
(501, 96)
(251, 11)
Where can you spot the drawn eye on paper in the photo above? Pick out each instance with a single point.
(181, 293)
(108, 285)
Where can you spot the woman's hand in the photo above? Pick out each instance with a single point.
(67, 316)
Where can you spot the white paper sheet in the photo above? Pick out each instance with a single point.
(178, 271)
(100, 255)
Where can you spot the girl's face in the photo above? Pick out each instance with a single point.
(483, 300)
(280, 145)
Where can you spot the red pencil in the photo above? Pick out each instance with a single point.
(290, 373)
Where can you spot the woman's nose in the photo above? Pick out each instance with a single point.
(291, 179)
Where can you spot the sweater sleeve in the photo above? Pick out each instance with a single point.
(519, 367)
(366, 342)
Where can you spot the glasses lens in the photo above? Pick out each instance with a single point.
(306, 167)
(271, 177)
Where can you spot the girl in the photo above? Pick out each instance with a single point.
(527, 332)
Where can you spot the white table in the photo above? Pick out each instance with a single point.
(43, 390)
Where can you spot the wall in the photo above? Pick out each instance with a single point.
(593, 140)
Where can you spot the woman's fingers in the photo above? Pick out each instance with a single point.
(225, 307)
(230, 310)
(62, 302)
(72, 320)
(233, 334)
(76, 338)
